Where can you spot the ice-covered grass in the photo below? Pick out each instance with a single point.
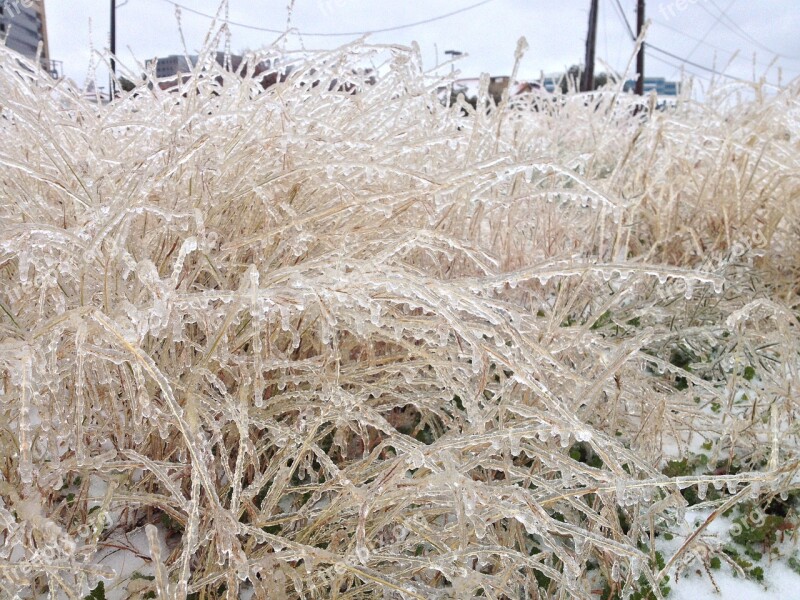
(334, 339)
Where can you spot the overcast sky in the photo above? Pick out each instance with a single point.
(705, 32)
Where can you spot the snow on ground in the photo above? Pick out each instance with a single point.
(780, 582)
(129, 556)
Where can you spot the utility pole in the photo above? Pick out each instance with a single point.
(112, 88)
(453, 54)
(640, 57)
(587, 81)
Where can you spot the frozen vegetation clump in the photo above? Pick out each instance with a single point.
(336, 339)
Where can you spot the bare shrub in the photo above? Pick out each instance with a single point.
(335, 339)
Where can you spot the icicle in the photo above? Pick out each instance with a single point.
(702, 490)
(615, 571)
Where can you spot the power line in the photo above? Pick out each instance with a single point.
(708, 44)
(691, 37)
(677, 66)
(683, 61)
(341, 34)
(717, 21)
(625, 20)
(734, 28)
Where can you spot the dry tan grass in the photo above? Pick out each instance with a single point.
(330, 345)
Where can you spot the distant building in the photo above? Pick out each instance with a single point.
(170, 66)
(23, 25)
(497, 86)
(176, 64)
(174, 69)
(659, 85)
(551, 83)
(469, 86)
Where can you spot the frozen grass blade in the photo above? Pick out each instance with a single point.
(335, 338)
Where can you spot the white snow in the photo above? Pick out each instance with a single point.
(693, 583)
(780, 583)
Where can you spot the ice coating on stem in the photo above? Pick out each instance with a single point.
(322, 327)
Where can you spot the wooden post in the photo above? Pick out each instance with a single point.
(587, 81)
(640, 57)
(112, 88)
